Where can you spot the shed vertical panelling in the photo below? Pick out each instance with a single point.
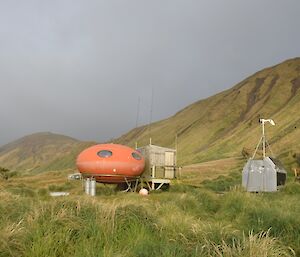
(160, 161)
(169, 159)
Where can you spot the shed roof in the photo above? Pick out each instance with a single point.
(157, 148)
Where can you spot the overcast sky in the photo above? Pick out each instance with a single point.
(78, 67)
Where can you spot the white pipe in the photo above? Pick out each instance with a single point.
(93, 187)
(87, 186)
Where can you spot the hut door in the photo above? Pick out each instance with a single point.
(169, 158)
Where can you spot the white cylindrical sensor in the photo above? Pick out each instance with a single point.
(92, 187)
(87, 186)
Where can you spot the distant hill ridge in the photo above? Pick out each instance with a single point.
(210, 129)
(36, 140)
(41, 151)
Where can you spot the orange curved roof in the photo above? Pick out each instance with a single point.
(110, 163)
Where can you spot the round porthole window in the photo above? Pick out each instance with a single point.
(136, 156)
(104, 153)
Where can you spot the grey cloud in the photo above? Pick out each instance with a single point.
(78, 67)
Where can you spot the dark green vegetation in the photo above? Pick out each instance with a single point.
(297, 157)
(4, 173)
(185, 221)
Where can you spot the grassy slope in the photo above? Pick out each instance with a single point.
(41, 151)
(222, 125)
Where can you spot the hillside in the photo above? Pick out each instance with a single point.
(41, 151)
(218, 127)
(222, 125)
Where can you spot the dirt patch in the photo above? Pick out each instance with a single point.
(295, 86)
(252, 97)
(272, 84)
(294, 89)
(185, 129)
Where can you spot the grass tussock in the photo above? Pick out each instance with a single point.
(261, 244)
(185, 221)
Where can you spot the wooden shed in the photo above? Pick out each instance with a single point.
(160, 165)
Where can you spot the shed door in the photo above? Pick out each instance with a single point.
(169, 159)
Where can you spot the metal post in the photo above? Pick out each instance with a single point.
(153, 171)
(176, 149)
(264, 139)
(253, 156)
(138, 113)
(263, 121)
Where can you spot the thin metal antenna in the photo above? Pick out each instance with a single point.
(176, 148)
(138, 112)
(270, 149)
(151, 112)
(256, 149)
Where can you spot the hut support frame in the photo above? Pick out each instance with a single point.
(156, 184)
(131, 188)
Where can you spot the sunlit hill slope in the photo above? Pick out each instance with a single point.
(222, 125)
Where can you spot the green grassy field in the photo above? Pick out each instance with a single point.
(211, 216)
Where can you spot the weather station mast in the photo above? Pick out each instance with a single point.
(263, 138)
(265, 174)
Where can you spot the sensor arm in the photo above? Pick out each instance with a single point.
(263, 121)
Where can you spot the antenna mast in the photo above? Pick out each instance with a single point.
(263, 139)
(138, 112)
(151, 113)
